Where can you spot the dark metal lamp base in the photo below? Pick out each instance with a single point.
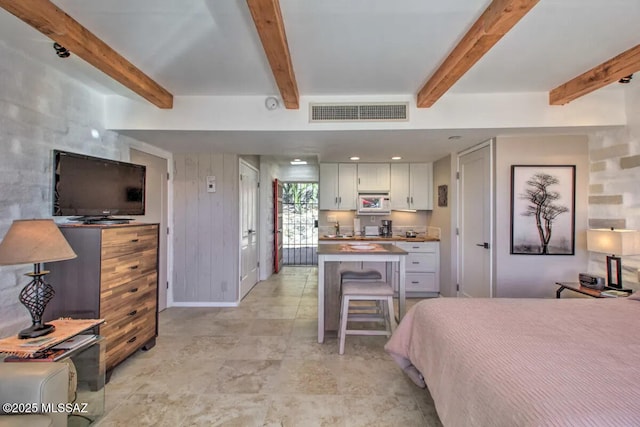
(36, 331)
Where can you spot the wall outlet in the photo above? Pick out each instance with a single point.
(372, 218)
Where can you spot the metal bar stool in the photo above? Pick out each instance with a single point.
(380, 292)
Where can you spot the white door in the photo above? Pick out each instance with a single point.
(421, 185)
(347, 186)
(328, 188)
(475, 245)
(156, 211)
(248, 228)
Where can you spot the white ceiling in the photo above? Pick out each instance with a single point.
(338, 47)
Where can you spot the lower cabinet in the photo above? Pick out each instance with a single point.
(422, 267)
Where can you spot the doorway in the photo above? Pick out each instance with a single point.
(475, 219)
(249, 209)
(156, 211)
(300, 223)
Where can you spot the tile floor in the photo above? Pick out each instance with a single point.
(260, 365)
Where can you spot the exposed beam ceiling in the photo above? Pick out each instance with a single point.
(499, 17)
(50, 20)
(610, 71)
(268, 19)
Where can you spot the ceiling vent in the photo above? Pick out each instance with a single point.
(379, 112)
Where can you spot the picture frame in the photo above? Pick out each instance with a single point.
(543, 209)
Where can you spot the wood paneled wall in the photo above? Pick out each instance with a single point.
(206, 236)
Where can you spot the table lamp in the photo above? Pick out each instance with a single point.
(616, 243)
(35, 241)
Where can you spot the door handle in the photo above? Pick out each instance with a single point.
(483, 245)
(250, 231)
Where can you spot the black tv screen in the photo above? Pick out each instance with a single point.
(91, 186)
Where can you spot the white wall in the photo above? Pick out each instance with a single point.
(535, 275)
(40, 110)
(441, 217)
(299, 173)
(206, 230)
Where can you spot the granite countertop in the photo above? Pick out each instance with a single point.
(398, 238)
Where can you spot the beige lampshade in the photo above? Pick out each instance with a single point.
(614, 242)
(32, 241)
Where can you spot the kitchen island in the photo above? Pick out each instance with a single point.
(329, 257)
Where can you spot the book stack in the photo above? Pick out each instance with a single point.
(612, 293)
(54, 353)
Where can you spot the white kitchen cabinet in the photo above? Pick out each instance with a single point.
(411, 186)
(422, 267)
(373, 177)
(338, 188)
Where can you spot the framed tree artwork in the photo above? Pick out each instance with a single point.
(543, 209)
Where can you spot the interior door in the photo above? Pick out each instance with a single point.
(248, 228)
(475, 246)
(156, 211)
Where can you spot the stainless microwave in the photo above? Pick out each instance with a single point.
(374, 204)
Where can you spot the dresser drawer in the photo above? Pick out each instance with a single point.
(123, 341)
(117, 271)
(421, 261)
(129, 299)
(418, 246)
(421, 282)
(121, 241)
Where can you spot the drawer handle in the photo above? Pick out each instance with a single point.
(135, 240)
(415, 247)
(132, 340)
(133, 267)
(414, 283)
(133, 313)
(415, 262)
(134, 290)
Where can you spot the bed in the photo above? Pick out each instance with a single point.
(526, 362)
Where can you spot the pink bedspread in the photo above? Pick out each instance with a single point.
(526, 362)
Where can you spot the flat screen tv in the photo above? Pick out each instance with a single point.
(96, 188)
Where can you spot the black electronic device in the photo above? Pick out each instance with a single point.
(96, 188)
(591, 281)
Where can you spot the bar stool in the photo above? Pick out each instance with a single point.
(380, 292)
(366, 275)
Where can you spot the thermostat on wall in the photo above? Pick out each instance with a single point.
(211, 184)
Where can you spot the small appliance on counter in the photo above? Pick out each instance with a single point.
(357, 231)
(386, 229)
(371, 230)
(411, 234)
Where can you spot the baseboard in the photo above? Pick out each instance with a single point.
(204, 304)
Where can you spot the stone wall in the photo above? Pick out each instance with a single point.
(614, 192)
(40, 110)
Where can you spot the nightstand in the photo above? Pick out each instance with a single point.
(577, 287)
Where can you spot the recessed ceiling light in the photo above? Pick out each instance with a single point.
(298, 162)
(455, 137)
(354, 158)
(396, 158)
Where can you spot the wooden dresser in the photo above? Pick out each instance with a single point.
(114, 277)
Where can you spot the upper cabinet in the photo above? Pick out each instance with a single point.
(373, 177)
(411, 186)
(338, 186)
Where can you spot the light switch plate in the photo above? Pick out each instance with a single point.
(211, 184)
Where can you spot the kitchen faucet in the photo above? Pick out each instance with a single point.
(337, 227)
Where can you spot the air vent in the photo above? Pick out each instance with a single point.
(380, 112)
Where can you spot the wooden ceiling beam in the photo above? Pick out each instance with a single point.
(623, 65)
(53, 22)
(497, 19)
(268, 20)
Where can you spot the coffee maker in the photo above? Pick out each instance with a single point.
(386, 230)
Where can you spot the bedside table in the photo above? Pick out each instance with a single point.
(577, 287)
